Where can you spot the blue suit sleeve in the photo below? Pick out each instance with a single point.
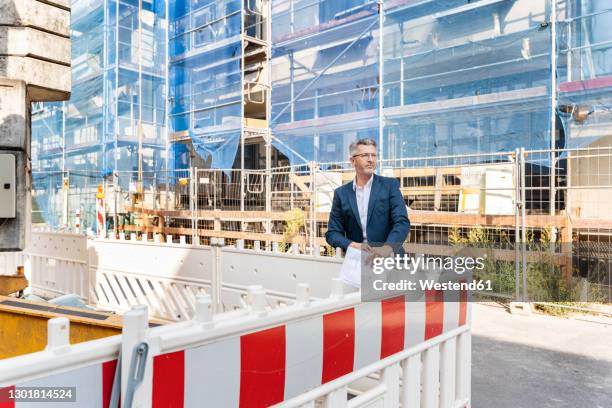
(399, 217)
(336, 235)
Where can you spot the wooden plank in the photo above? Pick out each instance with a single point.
(143, 210)
(418, 217)
(473, 220)
(178, 231)
(594, 223)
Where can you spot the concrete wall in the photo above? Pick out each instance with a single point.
(34, 66)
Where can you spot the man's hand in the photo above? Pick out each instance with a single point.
(384, 251)
(359, 246)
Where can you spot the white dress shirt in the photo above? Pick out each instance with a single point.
(363, 198)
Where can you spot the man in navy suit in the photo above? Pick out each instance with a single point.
(368, 213)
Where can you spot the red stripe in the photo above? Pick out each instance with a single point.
(108, 375)
(393, 322)
(434, 313)
(5, 400)
(338, 344)
(262, 368)
(169, 380)
(463, 296)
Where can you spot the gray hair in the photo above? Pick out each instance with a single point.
(363, 142)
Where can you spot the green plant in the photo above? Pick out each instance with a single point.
(545, 280)
(294, 222)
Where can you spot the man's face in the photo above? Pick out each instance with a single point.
(364, 160)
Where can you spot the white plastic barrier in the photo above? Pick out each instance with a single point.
(388, 353)
(117, 274)
(55, 264)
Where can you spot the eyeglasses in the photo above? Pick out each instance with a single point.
(366, 155)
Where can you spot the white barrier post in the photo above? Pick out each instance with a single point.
(135, 328)
(337, 398)
(411, 382)
(169, 239)
(256, 298)
(464, 366)
(448, 357)
(58, 334)
(391, 379)
(431, 377)
(337, 289)
(216, 245)
(302, 293)
(203, 309)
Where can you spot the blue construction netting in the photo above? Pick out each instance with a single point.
(206, 77)
(458, 78)
(466, 77)
(324, 77)
(584, 52)
(115, 119)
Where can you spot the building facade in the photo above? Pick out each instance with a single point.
(163, 86)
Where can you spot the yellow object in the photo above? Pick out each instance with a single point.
(13, 283)
(23, 325)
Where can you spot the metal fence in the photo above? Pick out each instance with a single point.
(541, 217)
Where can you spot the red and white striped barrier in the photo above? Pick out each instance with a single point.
(100, 218)
(91, 385)
(77, 221)
(256, 358)
(275, 364)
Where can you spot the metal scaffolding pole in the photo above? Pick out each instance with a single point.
(242, 111)
(268, 140)
(167, 105)
(523, 226)
(380, 84)
(517, 240)
(327, 67)
(553, 109)
(140, 186)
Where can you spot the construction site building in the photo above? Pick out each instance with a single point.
(450, 90)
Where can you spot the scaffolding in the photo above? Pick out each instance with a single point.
(191, 105)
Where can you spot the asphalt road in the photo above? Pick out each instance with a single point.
(540, 361)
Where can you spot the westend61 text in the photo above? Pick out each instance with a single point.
(405, 285)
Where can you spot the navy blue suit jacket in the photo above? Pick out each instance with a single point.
(387, 216)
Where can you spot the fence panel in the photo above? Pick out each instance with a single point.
(541, 216)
